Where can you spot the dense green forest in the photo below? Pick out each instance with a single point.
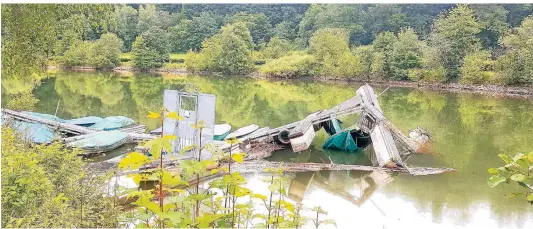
(474, 44)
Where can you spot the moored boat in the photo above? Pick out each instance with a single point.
(112, 123)
(221, 131)
(84, 121)
(101, 142)
(242, 131)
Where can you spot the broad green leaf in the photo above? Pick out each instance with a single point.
(174, 115)
(259, 196)
(495, 180)
(518, 177)
(530, 197)
(170, 137)
(238, 157)
(213, 171)
(493, 171)
(505, 158)
(530, 157)
(186, 149)
(153, 115)
(170, 180)
(523, 163)
(133, 160)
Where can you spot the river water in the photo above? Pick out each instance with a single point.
(468, 132)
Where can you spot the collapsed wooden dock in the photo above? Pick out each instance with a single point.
(390, 146)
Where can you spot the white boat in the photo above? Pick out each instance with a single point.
(221, 131)
(243, 131)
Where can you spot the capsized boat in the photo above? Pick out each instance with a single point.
(243, 131)
(101, 142)
(350, 140)
(332, 126)
(112, 123)
(221, 131)
(84, 121)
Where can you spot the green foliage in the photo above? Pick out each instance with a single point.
(493, 21)
(228, 52)
(105, 52)
(76, 55)
(515, 66)
(24, 101)
(405, 55)
(127, 18)
(47, 186)
(330, 47)
(276, 48)
(292, 65)
(151, 49)
(331, 16)
(477, 68)
(257, 24)
(189, 34)
(518, 169)
(455, 35)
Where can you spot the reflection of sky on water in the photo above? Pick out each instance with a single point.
(387, 210)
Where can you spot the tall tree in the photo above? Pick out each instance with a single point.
(385, 17)
(492, 18)
(516, 65)
(455, 34)
(406, 54)
(257, 24)
(189, 34)
(348, 17)
(147, 18)
(127, 20)
(151, 48)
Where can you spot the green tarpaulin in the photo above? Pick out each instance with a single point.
(113, 122)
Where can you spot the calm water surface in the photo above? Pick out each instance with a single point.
(468, 130)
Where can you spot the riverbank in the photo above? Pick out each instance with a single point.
(494, 90)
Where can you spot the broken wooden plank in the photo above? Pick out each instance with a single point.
(303, 142)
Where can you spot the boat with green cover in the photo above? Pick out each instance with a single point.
(350, 140)
(101, 142)
(36, 132)
(84, 121)
(112, 123)
(45, 116)
(221, 131)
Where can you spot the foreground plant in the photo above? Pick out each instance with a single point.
(518, 169)
(176, 198)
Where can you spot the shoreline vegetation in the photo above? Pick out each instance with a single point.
(525, 91)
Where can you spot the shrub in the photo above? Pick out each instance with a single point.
(105, 52)
(477, 68)
(290, 66)
(228, 52)
(125, 57)
(431, 75)
(177, 57)
(76, 55)
(47, 186)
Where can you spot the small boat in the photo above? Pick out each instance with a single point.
(156, 131)
(112, 123)
(36, 132)
(243, 131)
(84, 121)
(45, 116)
(101, 142)
(221, 131)
(351, 140)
